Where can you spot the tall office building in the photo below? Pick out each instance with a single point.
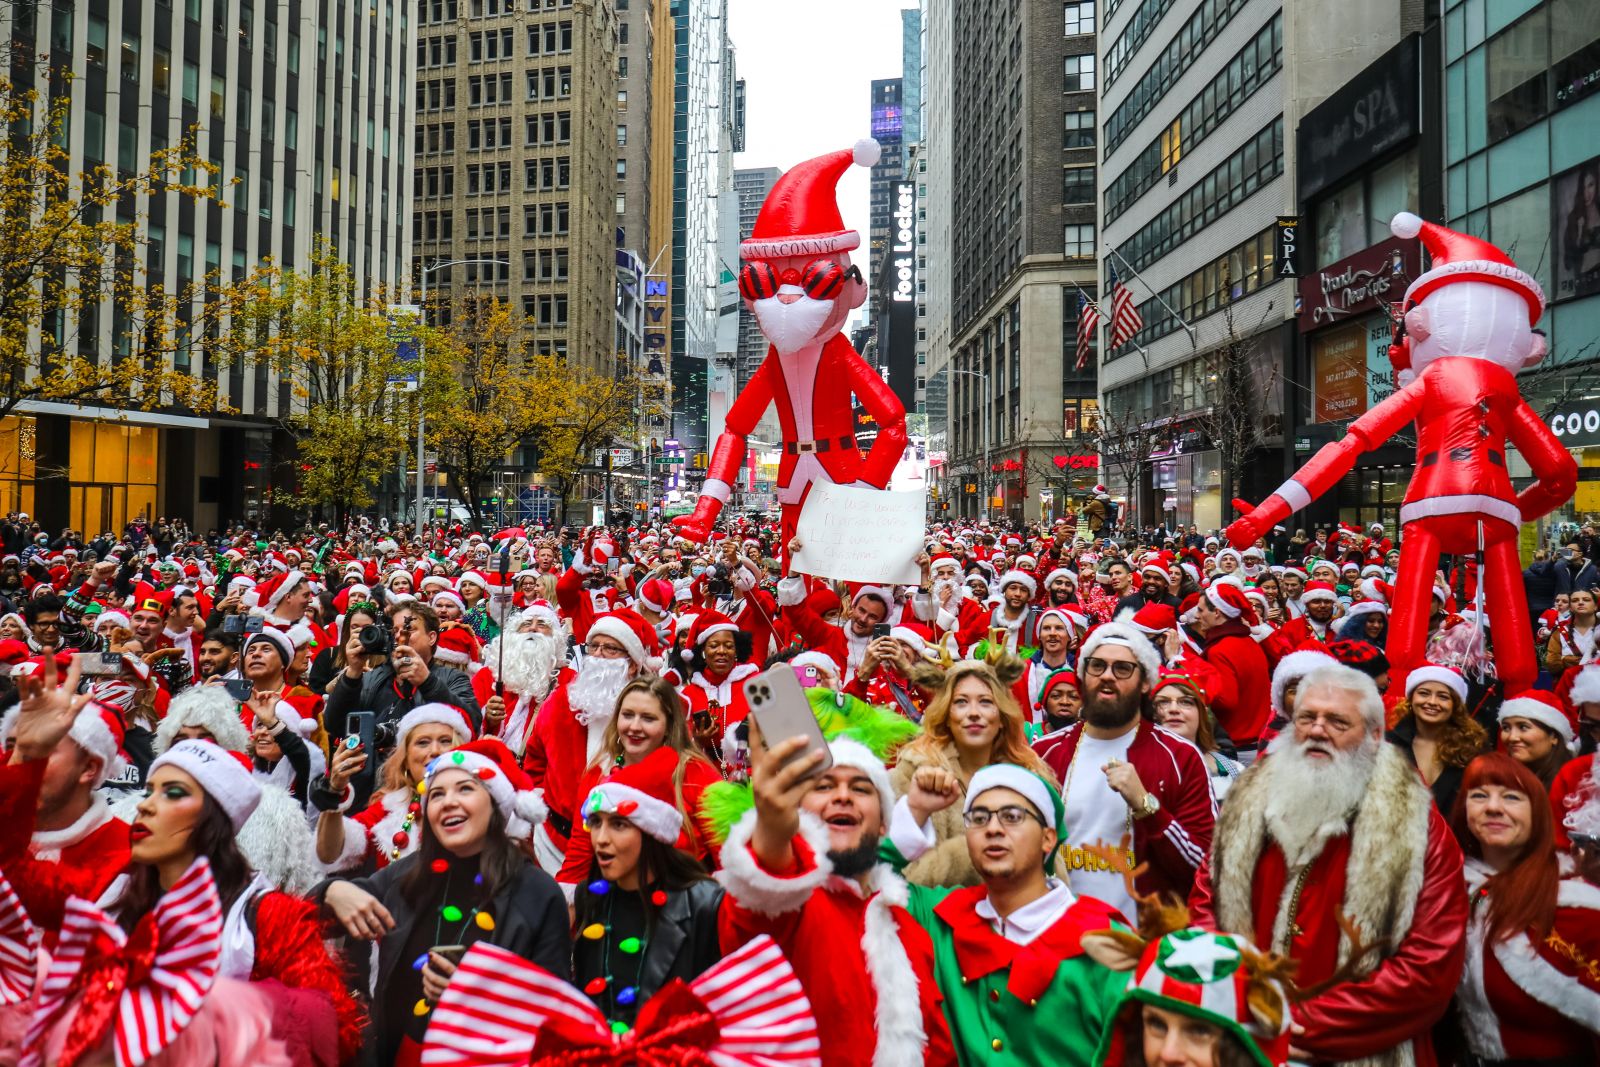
(910, 79)
(1021, 188)
(1198, 116)
(310, 110)
(934, 196)
(888, 129)
(751, 186)
(516, 161)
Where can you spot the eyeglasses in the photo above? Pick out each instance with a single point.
(821, 279)
(1011, 816)
(1121, 670)
(1186, 703)
(605, 651)
(1334, 724)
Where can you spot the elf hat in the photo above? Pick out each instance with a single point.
(224, 775)
(1044, 797)
(1206, 976)
(642, 793)
(800, 216)
(1544, 708)
(491, 762)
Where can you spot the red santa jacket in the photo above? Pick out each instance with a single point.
(46, 868)
(557, 752)
(574, 601)
(1243, 701)
(864, 962)
(1174, 840)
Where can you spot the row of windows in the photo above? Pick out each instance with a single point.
(436, 51)
(1230, 277)
(1201, 29)
(1542, 63)
(487, 45)
(1251, 68)
(433, 226)
(1139, 28)
(1258, 161)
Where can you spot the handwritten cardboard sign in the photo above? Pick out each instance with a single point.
(861, 535)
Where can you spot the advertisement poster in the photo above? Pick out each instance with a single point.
(1339, 373)
(1575, 221)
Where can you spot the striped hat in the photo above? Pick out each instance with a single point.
(1206, 976)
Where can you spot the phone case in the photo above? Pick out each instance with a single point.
(780, 708)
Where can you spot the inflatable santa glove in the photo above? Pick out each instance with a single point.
(1246, 531)
(697, 525)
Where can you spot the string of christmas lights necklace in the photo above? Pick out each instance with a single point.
(627, 996)
(450, 913)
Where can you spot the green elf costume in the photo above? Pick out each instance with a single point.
(1019, 989)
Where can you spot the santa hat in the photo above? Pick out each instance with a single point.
(1318, 590)
(448, 597)
(876, 592)
(1032, 787)
(657, 594)
(458, 647)
(492, 763)
(1026, 562)
(848, 752)
(541, 610)
(435, 713)
(1366, 607)
(1544, 708)
(943, 559)
(627, 628)
(1154, 618)
(1586, 686)
(210, 707)
(1064, 676)
(643, 793)
(276, 638)
(12, 652)
(1075, 620)
(800, 216)
(1061, 572)
(1231, 553)
(269, 598)
(115, 618)
(1293, 667)
(1021, 578)
(1295, 571)
(1448, 677)
(1229, 598)
(435, 583)
(1461, 257)
(914, 634)
(1120, 633)
(224, 775)
(472, 578)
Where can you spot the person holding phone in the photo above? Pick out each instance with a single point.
(467, 882)
(719, 653)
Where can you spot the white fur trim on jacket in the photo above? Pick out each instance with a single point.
(1586, 687)
(49, 844)
(770, 894)
(898, 1013)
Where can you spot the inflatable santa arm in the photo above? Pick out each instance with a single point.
(1332, 462)
(890, 415)
(728, 456)
(1554, 470)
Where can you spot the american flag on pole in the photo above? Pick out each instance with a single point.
(1088, 322)
(1125, 320)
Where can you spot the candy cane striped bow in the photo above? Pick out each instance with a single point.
(144, 988)
(502, 1011)
(19, 948)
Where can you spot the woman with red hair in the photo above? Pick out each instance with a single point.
(1530, 992)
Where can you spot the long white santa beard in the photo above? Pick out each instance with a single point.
(593, 693)
(790, 327)
(529, 663)
(1310, 800)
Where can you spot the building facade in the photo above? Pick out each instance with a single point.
(305, 112)
(887, 122)
(751, 186)
(934, 196)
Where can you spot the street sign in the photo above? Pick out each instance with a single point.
(668, 460)
(402, 322)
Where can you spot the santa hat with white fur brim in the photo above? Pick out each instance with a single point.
(614, 626)
(211, 708)
(441, 714)
(491, 762)
(1586, 686)
(1544, 708)
(224, 775)
(642, 793)
(1293, 667)
(1021, 578)
(1128, 637)
(800, 216)
(1462, 257)
(285, 586)
(97, 730)
(1432, 672)
(847, 752)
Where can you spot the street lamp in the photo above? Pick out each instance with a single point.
(986, 472)
(422, 418)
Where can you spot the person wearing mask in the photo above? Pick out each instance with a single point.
(1573, 641)
(467, 882)
(650, 717)
(1061, 701)
(1526, 994)
(1434, 731)
(1178, 702)
(1574, 572)
(641, 885)
(971, 722)
(1124, 778)
(385, 830)
(408, 679)
(1538, 731)
(1060, 630)
(1241, 696)
(1008, 953)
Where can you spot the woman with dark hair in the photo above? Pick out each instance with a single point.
(468, 881)
(1366, 621)
(1538, 732)
(719, 656)
(648, 911)
(1528, 993)
(1434, 731)
(650, 718)
(329, 663)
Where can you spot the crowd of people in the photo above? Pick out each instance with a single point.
(326, 797)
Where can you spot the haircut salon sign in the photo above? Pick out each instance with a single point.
(1358, 284)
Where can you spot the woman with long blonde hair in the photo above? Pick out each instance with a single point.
(971, 722)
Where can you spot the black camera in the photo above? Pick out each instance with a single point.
(375, 640)
(719, 580)
(383, 734)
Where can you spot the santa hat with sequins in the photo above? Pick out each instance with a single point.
(642, 793)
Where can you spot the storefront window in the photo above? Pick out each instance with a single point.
(17, 444)
(1342, 223)
(1374, 494)
(1393, 190)
(112, 477)
(1207, 494)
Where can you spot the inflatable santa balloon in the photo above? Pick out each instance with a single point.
(1467, 327)
(797, 279)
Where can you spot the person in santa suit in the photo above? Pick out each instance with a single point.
(587, 572)
(524, 663)
(949, 607)
(571, 723)
(180, 632)
(654, 601)
(1241, 695)
(283, 601)
(1315, 624)
(717, 653)
(845, 641)
(1530, 992)
(802, 867)
(384, 830)
(1060, 631)
(1335, 822)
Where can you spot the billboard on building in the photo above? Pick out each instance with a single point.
(1575, 220)
(1339, 373)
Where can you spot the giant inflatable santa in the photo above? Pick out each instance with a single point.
(798, 281)
(1468, 328)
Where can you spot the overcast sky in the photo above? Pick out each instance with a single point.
(808, 71)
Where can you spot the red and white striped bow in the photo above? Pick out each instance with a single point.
(502, 1011)
(19, 948)
(144, 988)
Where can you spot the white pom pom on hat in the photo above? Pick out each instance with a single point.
(1405, 224)
(867, 152)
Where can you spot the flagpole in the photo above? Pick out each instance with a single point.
(1194, 340)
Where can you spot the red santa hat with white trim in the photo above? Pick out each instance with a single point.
(706, 624)
(1448, 677)
(224, 775)
(492, 763)
(800, 216)
(643, 794)
(1021, 578)
(1229, 598)
(1544, 708)
(627, 628)
(1318, 590)
(458, 647)
(1461, 257)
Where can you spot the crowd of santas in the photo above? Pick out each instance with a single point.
(1043, 803)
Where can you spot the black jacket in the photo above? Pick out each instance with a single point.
(1539, 585)
(1447, 785)
(683, 943)
(1585, 577)
(530, 920)
(376, 691)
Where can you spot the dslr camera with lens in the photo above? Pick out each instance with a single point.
(719, 580)
(375, 640)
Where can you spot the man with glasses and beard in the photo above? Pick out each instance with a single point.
(1336, 824)
(1126, 782)
(571, 724)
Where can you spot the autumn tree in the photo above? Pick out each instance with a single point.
(334, 349)
(82, 319)
(598, 409)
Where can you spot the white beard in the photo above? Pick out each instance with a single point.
(593, 693)
(791, 327)
(1311, 801)
(953, 584)
(530, 663)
